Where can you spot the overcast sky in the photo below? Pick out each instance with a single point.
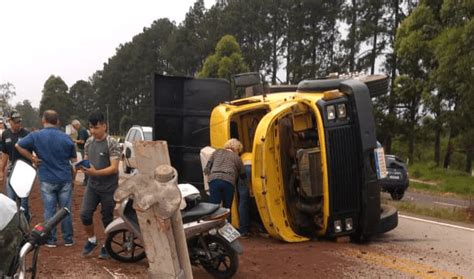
(71, 39)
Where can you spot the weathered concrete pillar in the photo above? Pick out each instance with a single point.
(157, 198)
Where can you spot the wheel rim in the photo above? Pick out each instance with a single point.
(221, 261)
(126, 245)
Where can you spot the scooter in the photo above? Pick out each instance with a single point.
(212, 241)
(14, 229)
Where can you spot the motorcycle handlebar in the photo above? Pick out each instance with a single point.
(40, 232)
(56, 219)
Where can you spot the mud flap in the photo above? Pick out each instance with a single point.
(388, 219)
(117, 224)
(236, 246)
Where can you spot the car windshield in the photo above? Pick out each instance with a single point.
(148, 135)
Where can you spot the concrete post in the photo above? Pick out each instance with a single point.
(157, 198)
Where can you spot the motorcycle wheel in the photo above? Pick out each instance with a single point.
(224, 260)
(124, 246)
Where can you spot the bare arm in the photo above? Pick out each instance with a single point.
(3, 165)
(112, 169)
(207, 169)
(27, 154)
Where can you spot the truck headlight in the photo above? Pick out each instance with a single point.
(331, 112)
(337, 226)
(341, 111)
(349, 225)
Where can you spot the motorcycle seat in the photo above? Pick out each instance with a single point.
(199, 211)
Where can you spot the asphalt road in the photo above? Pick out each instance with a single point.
(417, 248)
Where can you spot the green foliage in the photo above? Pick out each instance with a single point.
(124, 84)
(427, 51)
(211, 67)
(226, 61)
(126, 122)
(446, 180)
(227, 46)
(29, 114)
(7, 91)
(82, 94)
(452, 214)
(434, 44)
(56, 97)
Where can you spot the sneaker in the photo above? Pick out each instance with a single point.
(88, 248)
(51, 244)
(104, 255)
(244, 235)
(69, 243)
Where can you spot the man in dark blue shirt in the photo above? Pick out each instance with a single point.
(54, 152)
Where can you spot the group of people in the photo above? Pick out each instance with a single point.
(53, 153)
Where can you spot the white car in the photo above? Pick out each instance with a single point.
(128, 154)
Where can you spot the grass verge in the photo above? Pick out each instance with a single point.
(451, 214)
(447, 181)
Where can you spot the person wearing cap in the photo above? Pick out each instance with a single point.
(82, 136)
(9, 138)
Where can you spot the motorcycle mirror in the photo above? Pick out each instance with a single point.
(22, 178)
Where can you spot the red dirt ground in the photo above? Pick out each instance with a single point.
(262, 257)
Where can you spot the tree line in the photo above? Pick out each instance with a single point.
(425, 47)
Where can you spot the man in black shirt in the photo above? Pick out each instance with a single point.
(10, 155)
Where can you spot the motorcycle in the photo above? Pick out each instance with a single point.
(16, 242)
(212, 241)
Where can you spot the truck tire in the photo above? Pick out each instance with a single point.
(388, 221)
(388, 218)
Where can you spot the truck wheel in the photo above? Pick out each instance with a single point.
(360, 238)
(388, 218)
(397, 195)
(388, 221)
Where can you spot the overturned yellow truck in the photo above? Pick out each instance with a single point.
(314, 154)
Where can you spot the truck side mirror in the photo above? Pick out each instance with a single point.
(377, 84)
(128, 153)
(246, 79)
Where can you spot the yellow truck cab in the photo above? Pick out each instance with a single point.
(314, 155)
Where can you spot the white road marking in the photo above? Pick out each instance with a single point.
(437, 223)
(450, 204)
